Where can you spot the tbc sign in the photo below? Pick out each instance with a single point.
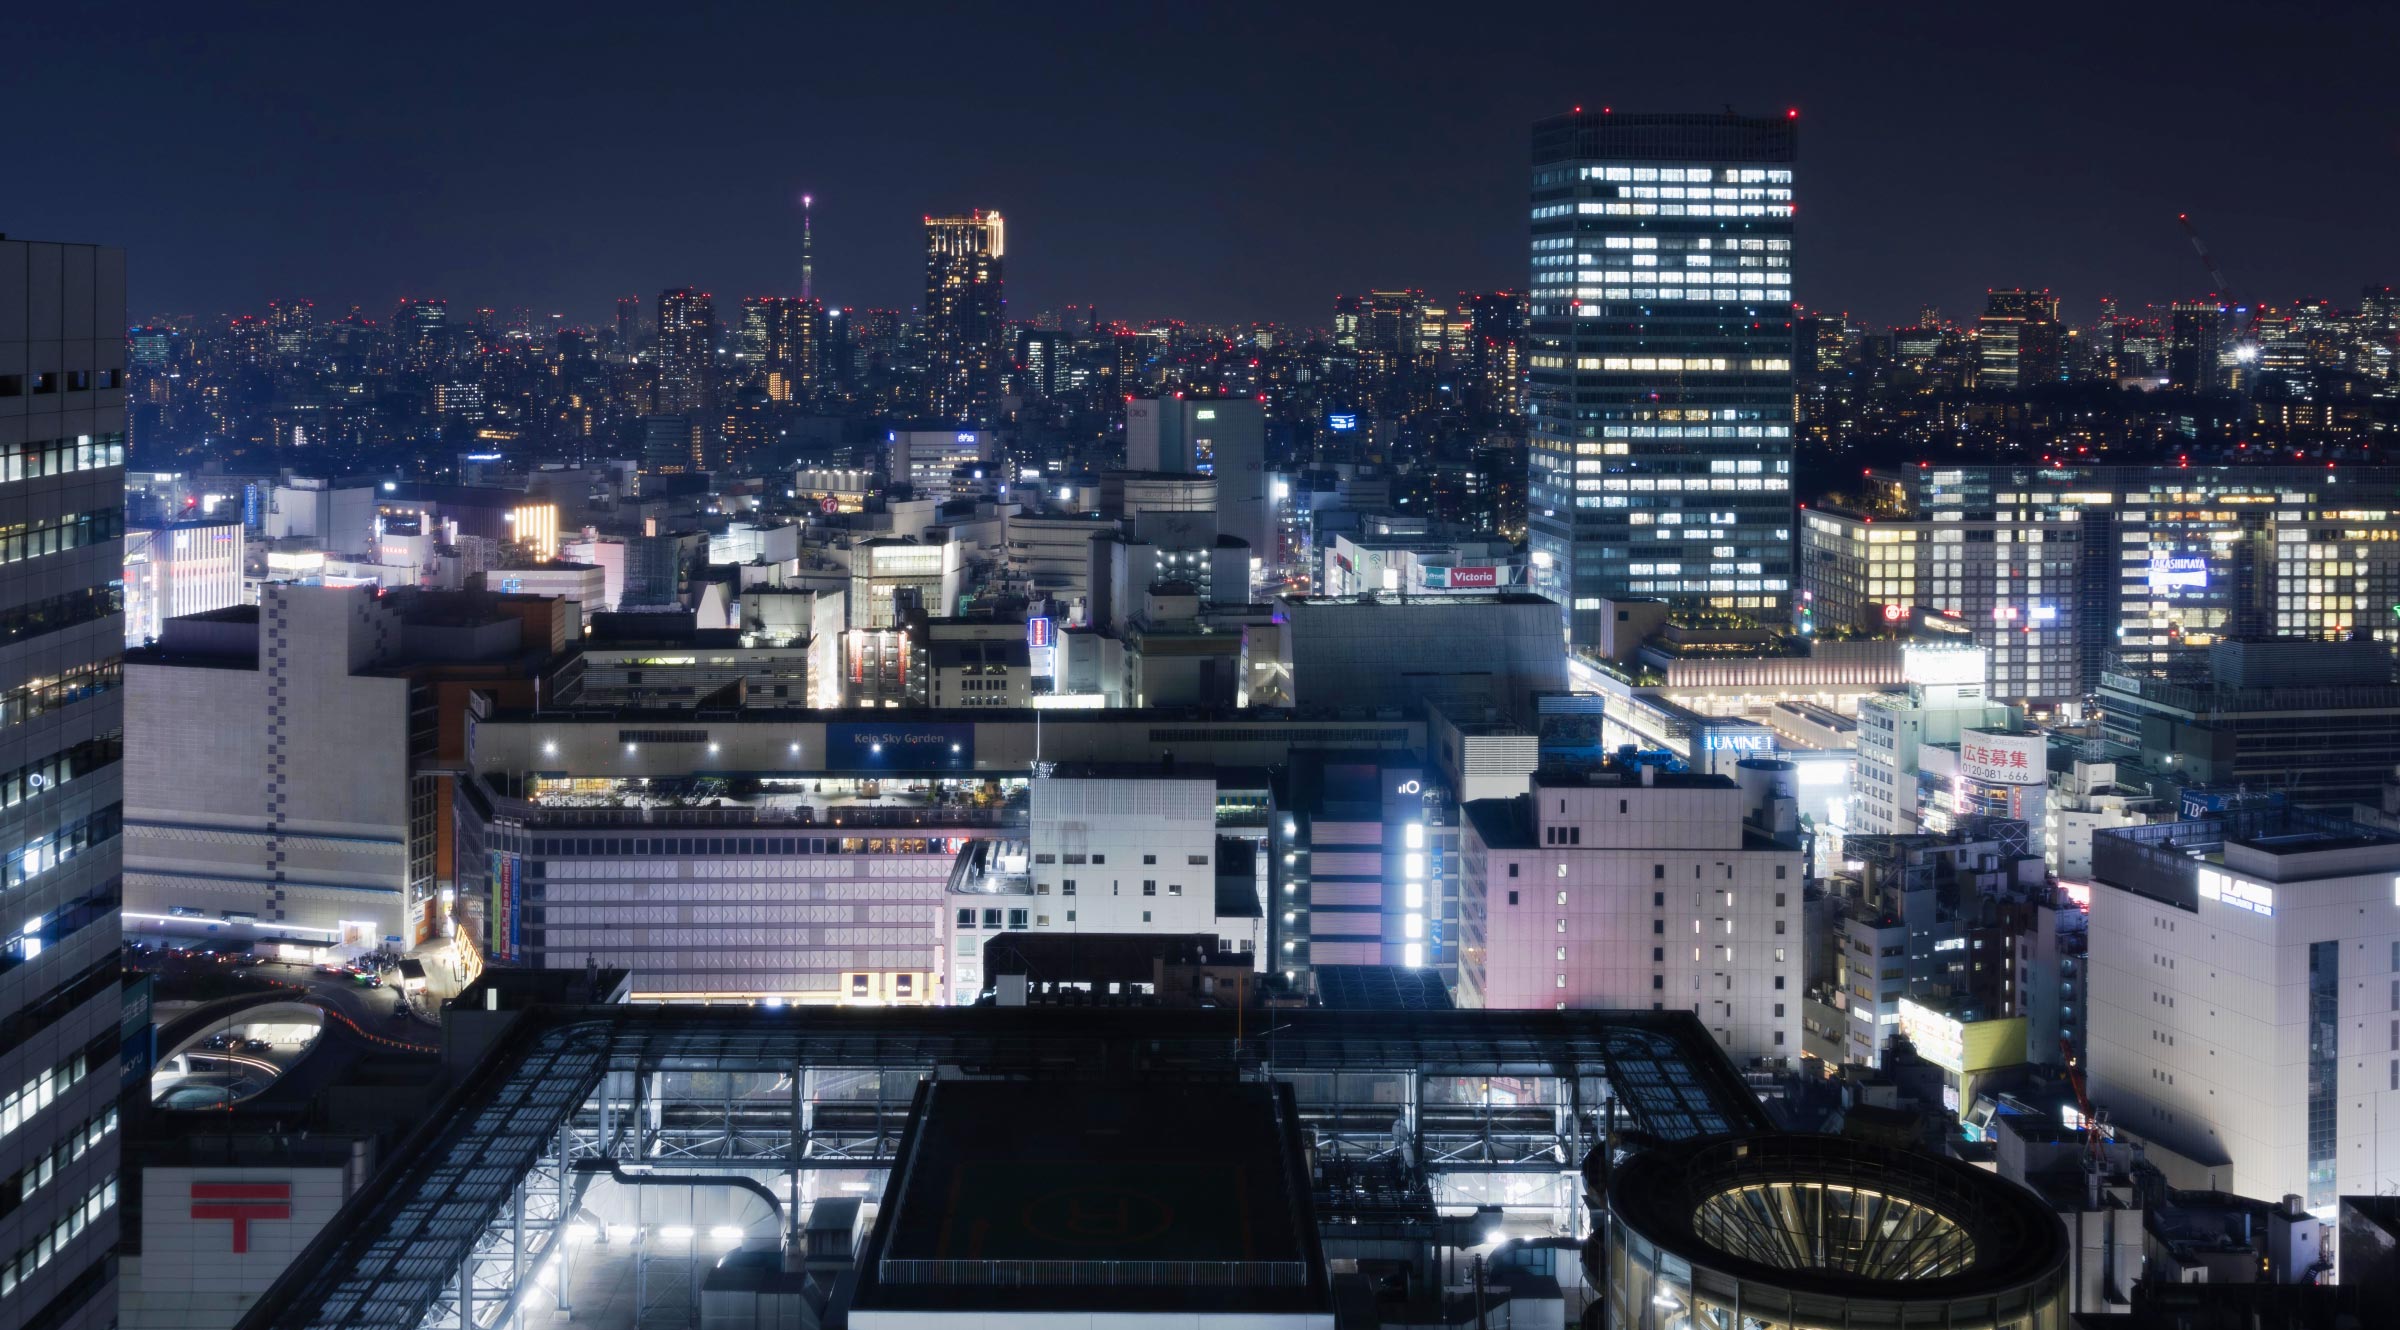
(245, 1203)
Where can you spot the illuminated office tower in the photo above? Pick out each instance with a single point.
(687, 336)
(2195, 335)
(1660, 440)
(62, 1000)
(294, 322)
(2019, 340)
(966, 317)
(421, 329)
(783, 336)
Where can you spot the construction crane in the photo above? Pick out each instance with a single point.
(2244, 330)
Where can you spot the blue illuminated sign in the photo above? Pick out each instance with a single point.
(1342, 422)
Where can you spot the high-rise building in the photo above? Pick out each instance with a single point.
(294, 321)
(687, 348)
(965, 316)
(785, 335)
(2195, 333)
(2053, 568)
(421, 333)
(2020, 340)
(1660, 361)
(62, 443)
(629, 321)
(1224, 437)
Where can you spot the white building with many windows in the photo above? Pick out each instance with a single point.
(1640, 889)
(2245, 1000)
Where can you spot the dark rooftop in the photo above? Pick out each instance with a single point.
(1165, 1198)
(1381, 988)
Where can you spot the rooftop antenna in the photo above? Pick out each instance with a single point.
(808, 247)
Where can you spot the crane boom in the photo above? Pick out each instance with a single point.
(2207, 260)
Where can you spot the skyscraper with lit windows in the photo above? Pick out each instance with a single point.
(687, 337)
(62, 736)
(1659, 360)
(966, 317)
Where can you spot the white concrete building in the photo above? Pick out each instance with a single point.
(1051, 555)
(1110, 851)
(1945, 697)
(269, 795)
(2245, 999)
(1640, 890)
(1127, 853)
(215, 1238)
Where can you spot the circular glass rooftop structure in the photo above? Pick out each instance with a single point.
(1798, 1232)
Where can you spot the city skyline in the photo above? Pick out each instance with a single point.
(1362, 160)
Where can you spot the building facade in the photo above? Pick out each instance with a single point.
(181, 568)
(966, 317)
(1659, 359)
(1636, 889)
(62, 635)
(2244, 1004)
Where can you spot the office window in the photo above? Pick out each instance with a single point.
(1016, 918)
(1149, 886)
(1099, 858)
(1512, 898)
(1174, 888)
(1658, 900)
(1658, 871)
(1657, 981)
(1658, 927)
(1067, 888)
(1512, 872)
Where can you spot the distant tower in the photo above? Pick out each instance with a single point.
(808, 249)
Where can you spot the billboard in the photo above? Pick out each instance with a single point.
(2178, 572)
(1038, 634)
(899, 746)
(1941, 664)
(2198, 801)
(1341, 422)
(1462, 578)
(2003, 759)
(507, 915)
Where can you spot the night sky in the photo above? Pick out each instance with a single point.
(1210, 162)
